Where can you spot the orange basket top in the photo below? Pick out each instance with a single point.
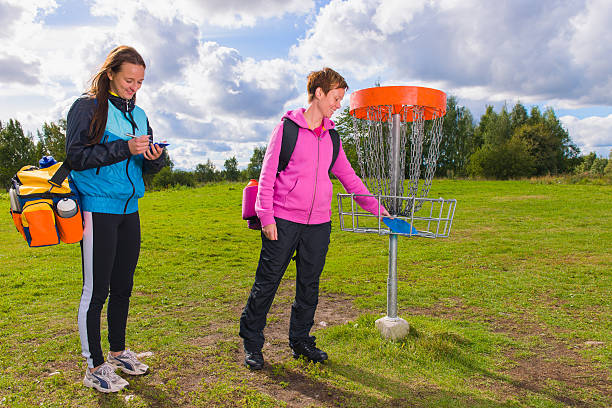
(400, 98)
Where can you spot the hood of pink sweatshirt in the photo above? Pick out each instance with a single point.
(303, 192)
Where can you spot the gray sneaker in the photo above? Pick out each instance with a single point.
(128, 363)
(104, 379)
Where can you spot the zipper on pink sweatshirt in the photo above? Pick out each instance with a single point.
(314, 193)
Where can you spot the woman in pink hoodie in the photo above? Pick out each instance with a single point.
(294, 207)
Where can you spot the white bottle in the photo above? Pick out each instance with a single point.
(14, 199)
(66, 208)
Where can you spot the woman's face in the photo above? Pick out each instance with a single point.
(127, 81)
(330, 102)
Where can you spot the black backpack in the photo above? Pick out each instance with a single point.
(290, 135)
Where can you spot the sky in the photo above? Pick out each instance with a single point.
(221, 73)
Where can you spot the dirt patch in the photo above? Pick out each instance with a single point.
(294, 388)
(297, 390)
(332, 310)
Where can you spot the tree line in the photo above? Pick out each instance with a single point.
(18, 149)
(502, 145)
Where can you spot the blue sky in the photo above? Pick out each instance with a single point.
(220, 73)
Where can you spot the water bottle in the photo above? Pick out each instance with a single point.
(46, 161)
(249, 194)
(14, 199)
(66, 208)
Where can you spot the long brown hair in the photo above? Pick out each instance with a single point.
(100, 87)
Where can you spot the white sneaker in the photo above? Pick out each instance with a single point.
(104, 379)
(128, 363)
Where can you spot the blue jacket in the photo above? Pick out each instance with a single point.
(108, 178)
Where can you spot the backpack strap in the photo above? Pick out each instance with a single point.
(335, 137)
(290, 135)
(60, 175)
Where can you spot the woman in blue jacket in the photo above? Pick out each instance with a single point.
(109, 146)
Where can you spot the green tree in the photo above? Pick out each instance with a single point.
(586, 162)
(254, 168)
(231, 172)
(206, 172)
(535, 116)
(494, 129)
(344, 127)
(547, 144)
(163, 179)
(504, 161)
(53, 140)
(542, 146)
(598, 167)
(183, 178)
(608, 168)
(566, 151)
(16, 150)
(518, 116)
(457, 142)
(149, 178)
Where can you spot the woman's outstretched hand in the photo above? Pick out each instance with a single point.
(270, 232)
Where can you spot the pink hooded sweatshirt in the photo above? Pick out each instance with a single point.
(302, 193)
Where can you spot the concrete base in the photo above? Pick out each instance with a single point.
(392, 328)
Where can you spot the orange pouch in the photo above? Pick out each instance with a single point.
(70, 229)
(17, 222)
(38, 220)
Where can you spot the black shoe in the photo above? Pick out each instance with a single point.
(308, 349)
(253, 359)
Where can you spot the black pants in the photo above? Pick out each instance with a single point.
(109, 249)
(311, 243)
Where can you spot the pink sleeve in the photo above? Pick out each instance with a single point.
(265, 192)
(353, 184)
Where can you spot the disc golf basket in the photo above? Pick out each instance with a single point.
(397, 132)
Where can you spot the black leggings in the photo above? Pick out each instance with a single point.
(109, 251)
(310, 242)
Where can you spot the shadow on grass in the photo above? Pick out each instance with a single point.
(391, 393)
(401, 396)
(152, 395)
(457, 356)
(374, 390)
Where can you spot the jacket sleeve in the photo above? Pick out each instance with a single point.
(79, 153)
(153, 166)
(264, 204)
(352, 183)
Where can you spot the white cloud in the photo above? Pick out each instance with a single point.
(221, 13)
(517, 49)
(206, 99)
(393, 16)
(212, 101)
(592, 134)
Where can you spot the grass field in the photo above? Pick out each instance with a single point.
(512, 310)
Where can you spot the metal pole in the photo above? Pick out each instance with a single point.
(396, 179)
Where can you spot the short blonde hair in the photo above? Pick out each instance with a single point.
(326, 79)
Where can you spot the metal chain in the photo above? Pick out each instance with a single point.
(372, 141)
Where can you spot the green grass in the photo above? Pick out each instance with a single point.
(525, 277)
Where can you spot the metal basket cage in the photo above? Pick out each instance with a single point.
(431, 217)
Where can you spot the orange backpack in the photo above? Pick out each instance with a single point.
(44, 206)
